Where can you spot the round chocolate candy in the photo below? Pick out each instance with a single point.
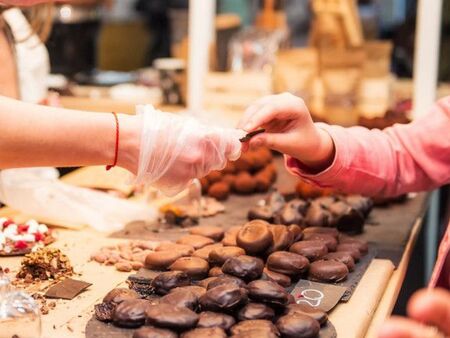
(218, 256)
(307, 310)
(321, 230)
(282, 238)
(215, 319)
(329, 240)
(296, 231)
(204, 332)
(166, 281)
(298, 326)
(256, 311)
(343, 257)
(229, 238)
(287, 263)
(276, 277)
(265, 291)
(313, 250)
(215, 272)
(118, 295)
(223, 298)
(362, 245)
(195, 267)
(171, 317)
(254, 237)
(154, 332)
(186, 250)
(245, 267)
(130, 313)
(204, 252)
(213, 232)
(264, 327)
(226, 279)
(181, 298)
(195, 241)
(161, 260)
(195, 289)
(327, 271)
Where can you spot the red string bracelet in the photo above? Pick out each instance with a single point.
(116, 150)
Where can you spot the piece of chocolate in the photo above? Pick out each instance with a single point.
(251, 134)
(265, 291)
(167, 281)
(185, 250)
(226, 279)
(204, 252)
(130, 313)
(161, 260)
(154, 332)
(362, 245)
(104, 311)
(244, 183)
(325, 201)
(215, 319)
(245, 267)
(351, 247)
(141, 284)
(317, 216)
(327, 271)
(263, 181)
(287, 263)
(181, 298)
(354, 252)
(329, 240)
(307, 310)
(313, 250)
(171, 317)
(211, 332)
(256, 311)
(262, 325)
(195, 241)
(343, 257)
(195, 289)
(229, 238)
(223, 298)
(363, 204)
(215, 271)
(213, 232)
(282, 238)
(219, 190)
(254, 237)
(296, 231)
(292, 212)
(264, 213)
(276, 277)
(298, 326)
(321, 230)
(218, 256)
(346, 218)
(204, 282)
(118, 295)
(256, 333)
(67, 289)
(195, 267)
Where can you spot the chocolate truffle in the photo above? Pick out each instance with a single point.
(181, 298)
(296, 231)
(287, 263)
(329, 240)
(195, 267)
(185, 250)
(166, 281)
(210, 332)
(282, 238)
(255, 311)
(307, 310)
(264, 213)
(225, 279)
(161, 260)
(343, 257)
(298, 326)
(118, 295)
(204, 252)
(196, 241)
(154, 332)
(215, 272)
(254, 237)
(218, 256)
(215, 319)
(327, 271)
(219, 190)
(262, 325)
(213, 232)
(362, 245)
(265, 291)
(321, 230)
(195, 289)
(245, 267)
(171, 317)
(276, 277)
(313, 250)
(223, 298)
(130, 313)
(244, 183)
(229, 238)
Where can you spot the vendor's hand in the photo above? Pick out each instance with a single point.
(426, 307)
(175, 150)
(289, 129)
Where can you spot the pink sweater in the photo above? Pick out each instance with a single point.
(399, 159)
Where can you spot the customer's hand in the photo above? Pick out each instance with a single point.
(174, 149)
(426, 307)
(289, 129)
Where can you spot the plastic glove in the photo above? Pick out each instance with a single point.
(175, 150)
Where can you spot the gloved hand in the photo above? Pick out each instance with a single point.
(175, 149)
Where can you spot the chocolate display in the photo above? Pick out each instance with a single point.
(215, 319)
(161, 260)
(223, 298)
(171, 317)
(343, 257)
(312, 250)
(218, 256)
(254, 237)
(212, 332)
(166, 281)
(287, 263)
(307, 310)
(154, 332)
(256, 311)
(181, 298)
(296, 325)
(330, 271)
(194, 267)
(276, 277)
(262, 326)
(213, 232)
(130, 313)
(245, 267)
(195, 241)
(225, 279)
(267, 292)
(204, 252)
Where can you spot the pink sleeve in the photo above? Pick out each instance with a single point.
(399, 159)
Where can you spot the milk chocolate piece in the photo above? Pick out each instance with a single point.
(166, 281)
(204, 252)
(276, 277)
(264, 213)
(130, 313)
(118, 295)
(254, 237)
(317, 216)
(226, 279)
(360, 203)
(218, 256)
(351, 247)
(229, 238)
(171, 317)
(213, 232)
(321, 230)
(211, 332)
(215, 319)
(327, 271)
(67, 289)
(282, 238)
(245, 267)
(223, 298)
(161, 260)
(181, 298)
(298, 326)
(291, 214)
(346, 218)
(265, 291)
(296, 231)
(256, 311)
(354, 252)
(195, 241)
(195, 289)
(313, 250)
(362, 245)
(195, 267)
(154, 332)
(262, 325)
(307, 310)
(215, 272)
(185, 250)
(287, 263)
(329, 240)
(251, 134)
(343, 257)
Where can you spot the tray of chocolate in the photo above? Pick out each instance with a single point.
(20, 239)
